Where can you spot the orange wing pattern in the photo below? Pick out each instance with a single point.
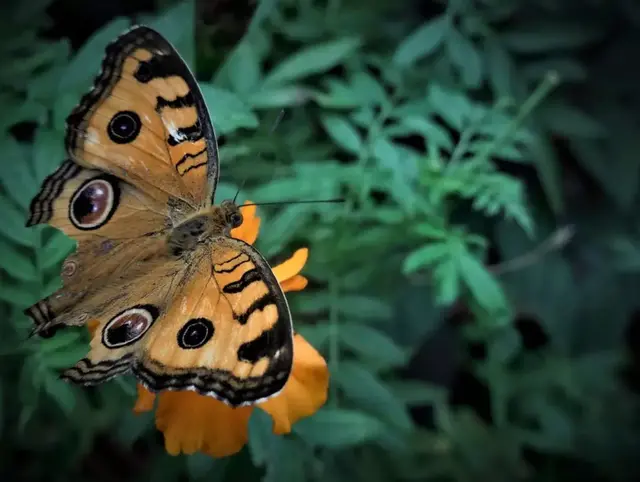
(146, 121)
(227, 333)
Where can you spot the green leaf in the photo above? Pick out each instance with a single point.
(368, 392)
(14, 175)
(422, 42)
(13, 226)
(288, 462)
(242, 69)
(48, 152)
(545, 36)
(228, 112)
(425, 256)
(176, 24)
(500, 68)
(61, 392)
(271, 98)
(312, 60)
(342, 133)
(339, 428)
(570, 121)
(418, 393)
(373, 345)
(466, 57)
(261, 437)
(483, 286)
(133, 426)
(359, 306)
(318, 334)
(430, 131)
(55, 251)
(454, 107)
(199, 465)
(17, 263)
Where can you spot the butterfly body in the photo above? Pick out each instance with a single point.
(171, 296)
(202, 229)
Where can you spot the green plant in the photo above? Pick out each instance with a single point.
(442, 135)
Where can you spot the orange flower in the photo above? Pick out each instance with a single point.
(196, 423)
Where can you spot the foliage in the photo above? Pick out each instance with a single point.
(442, 126)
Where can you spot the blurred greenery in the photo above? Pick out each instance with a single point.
(476, 295)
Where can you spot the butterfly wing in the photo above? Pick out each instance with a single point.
(227, 333)
(145, 120)
(143, 157)
(115, 225)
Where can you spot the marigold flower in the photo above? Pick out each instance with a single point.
(195, 423)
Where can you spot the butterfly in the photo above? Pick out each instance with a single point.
(179, 303)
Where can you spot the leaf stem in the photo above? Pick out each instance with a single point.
(542, 90)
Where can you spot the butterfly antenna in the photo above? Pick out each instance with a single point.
(238, 191)
(337, 200)
(271, 131)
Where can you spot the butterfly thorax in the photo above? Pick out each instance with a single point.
(203, 227)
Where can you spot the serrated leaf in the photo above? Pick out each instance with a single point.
(343, 133)
(339, 428)
(312, 60)
(368, 392)
(422, 42)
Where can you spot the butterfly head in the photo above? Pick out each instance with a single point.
(231, 213)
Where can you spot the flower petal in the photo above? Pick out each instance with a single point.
(292, 266)
(192, 422)
(297, 283)
(305, 391)
(248, 230)
(145, 400)
(92, 326)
